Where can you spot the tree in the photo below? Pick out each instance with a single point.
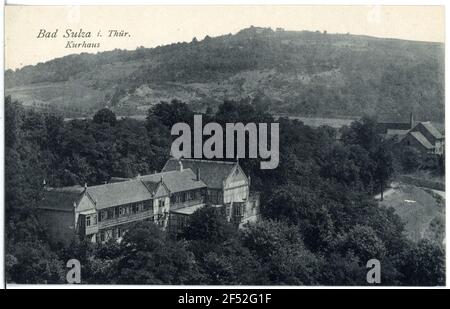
(410, 159)
(343, 270)
(230, 263)
(13, 122)
(210, 225)
(105, 115)
(281, 251)
(424, 264)
(362, 132)
(364, 242)
(384, 166)
(170, 113)
(150, 257)
(34, 262)
(301, 207)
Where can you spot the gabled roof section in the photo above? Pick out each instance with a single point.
(432, 130)
(152, 186)
(119, 193)
(176, 180)
(421, 139)
(213, 173)
(62, 199)
(156, 188)
(124, 192)
(397, 132)
(237, 171)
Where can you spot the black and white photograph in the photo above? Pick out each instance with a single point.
(224, 145)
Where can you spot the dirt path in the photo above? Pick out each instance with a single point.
(392, 187)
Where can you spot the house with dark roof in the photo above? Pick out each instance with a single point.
(227, 186)
(58, 212)
(425, 138)
(420, 135)
(418, 141)
(432, 135)
(394, 122)
(104, 212)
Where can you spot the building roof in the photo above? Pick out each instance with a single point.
(61, 198)
(176, 180)
(118, 179)
(187, 210)
(393, 118)
(152, 186)
(119, 193)
(213, 173)
(397, 132)
(432, 130)
(421, 139)
(124, 192)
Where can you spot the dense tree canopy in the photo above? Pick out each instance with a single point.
(320, 224)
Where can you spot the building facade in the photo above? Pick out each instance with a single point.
(227, 186)
(104, 212)
(432, 135)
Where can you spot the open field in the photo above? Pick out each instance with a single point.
(422, 211)
(322, 121)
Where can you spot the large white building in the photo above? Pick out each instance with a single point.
(105, 212)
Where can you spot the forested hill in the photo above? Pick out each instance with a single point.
(304, 73)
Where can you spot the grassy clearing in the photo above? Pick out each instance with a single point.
(422, 211)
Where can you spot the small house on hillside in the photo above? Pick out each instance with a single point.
(394, 123)
(421, 135)
(424, 137)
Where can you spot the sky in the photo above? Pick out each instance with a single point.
(150, 26)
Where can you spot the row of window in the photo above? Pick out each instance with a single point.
(238, 210)
(118, 232)
(185, 197)
(105, 235)
(121, 211)
(116, 212)
(215, 197)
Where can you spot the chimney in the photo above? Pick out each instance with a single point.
(411, 120)
(198, 174)
(181, 165)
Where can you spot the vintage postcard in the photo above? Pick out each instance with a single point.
(225, 145)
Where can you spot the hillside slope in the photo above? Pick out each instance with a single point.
(303, 73)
